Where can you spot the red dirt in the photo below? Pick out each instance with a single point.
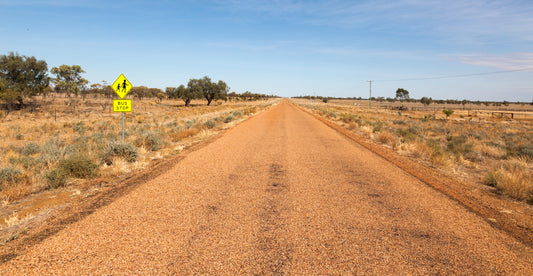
(281, 193)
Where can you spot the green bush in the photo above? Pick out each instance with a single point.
(56, 178)
(30, 148)
(228, 119)
(79, 166)
(10, 175)
(237, 113)
(118, 149)
(447, 112)
(150, 140)
(210, 124)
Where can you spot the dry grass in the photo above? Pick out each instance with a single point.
(388, 139)
(514, 178)
(491, 151)
(461, 142)
(35, 145)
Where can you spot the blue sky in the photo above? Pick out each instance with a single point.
(288, 48)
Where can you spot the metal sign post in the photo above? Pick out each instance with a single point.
(122, 127)
(122, 86)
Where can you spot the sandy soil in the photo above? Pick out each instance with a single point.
(281, 193)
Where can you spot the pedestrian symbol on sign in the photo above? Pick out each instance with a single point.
(122, 86)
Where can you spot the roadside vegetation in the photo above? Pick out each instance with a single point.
(495, 151)
(56, 146)
(57, 131)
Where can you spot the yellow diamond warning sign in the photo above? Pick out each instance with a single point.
(122, 105)
(122, 86)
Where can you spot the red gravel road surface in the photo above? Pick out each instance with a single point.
(281, 193)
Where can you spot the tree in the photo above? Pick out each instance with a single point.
(426, 101)
(23, 77)
(68, 79)
(402, 94)
(140, 92)
(185, 93)
(160, 96)
(448, 112)
(213, 91)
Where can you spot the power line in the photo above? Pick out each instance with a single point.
(458, 76)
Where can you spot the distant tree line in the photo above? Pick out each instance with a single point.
(402, 95)
(23, 77)
(206, 89)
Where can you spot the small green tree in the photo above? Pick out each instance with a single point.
(160, 96)
(185, 93)
(402, 94)
(448, 112)
(212, 91)
(68, 79)
(426, 101)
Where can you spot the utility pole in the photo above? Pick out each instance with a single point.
(370, 98)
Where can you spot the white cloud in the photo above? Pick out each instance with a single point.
(483, 21)
(512, 61)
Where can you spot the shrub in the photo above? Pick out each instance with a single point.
(118, 149)
(27, 162)
(492, 178)
(250, 110)
(171, 124)
(237, 113)
(228, 119)
(10, 175)
(447, 112)
(79, 166)
(520, 150)
(56, 178)
(210, 124)
(407, 134)
(51, 152)
(150, 140)
(30, 148)
(19, 136)
(190, 124)
(387, 139)
(399, 122)
(331, 115)
(458, 145)
(79, 128)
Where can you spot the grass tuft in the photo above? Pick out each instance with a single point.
(513, 178)
(113, 149)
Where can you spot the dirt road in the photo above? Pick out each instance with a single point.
(281, 193)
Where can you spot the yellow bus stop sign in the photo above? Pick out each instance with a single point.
(122, 105)
(121, 86)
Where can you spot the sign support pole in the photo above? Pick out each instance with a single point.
(122, 127)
